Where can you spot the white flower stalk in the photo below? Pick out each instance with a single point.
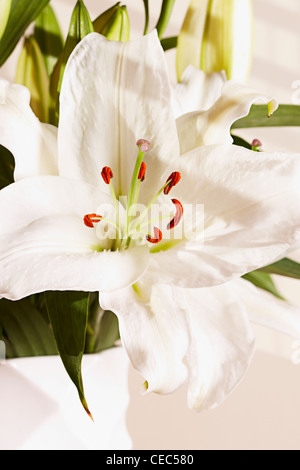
(91, 211)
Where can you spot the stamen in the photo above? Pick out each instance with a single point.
(157, 236)
(173, 179)
(178, 216)
(144, 145)
(91, 219)
(142, 172)
(107, 174)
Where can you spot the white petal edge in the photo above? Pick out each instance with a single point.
(197, 91)
(266, 310)
(251, 214)
(222, 345)
(153, 331)
(46, 246)
(213, 126)
(33, 144)
(105, 111)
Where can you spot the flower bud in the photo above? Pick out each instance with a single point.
(217, 35)
(114, 23)
(32, 73)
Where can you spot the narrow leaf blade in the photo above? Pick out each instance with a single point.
(7, 164)
(285, 267)
(263, 281)
(22, 14)
(68, 313)
(5, 6)
(25, 329)
(286, 115)
(169, 43)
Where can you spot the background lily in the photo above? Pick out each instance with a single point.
(45, 244)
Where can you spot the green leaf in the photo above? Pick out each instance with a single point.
(165, 15)
(48, 35)
(80, 26)
(68, 313)
(22, 14)
(7, 165)
(263, 281)
(103, 328)
(146, 5)
(285, 267)
(169, 43)
(25, 329)
(241, 142)
(286, 115)
(5, 6)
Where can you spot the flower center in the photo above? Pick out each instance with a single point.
(131, 228)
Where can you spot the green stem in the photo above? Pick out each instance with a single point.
(146, 4)
(165, 15)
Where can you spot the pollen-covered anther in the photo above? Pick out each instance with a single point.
(91, 219)
(143, 145)
(178, 216)
(173, 179)
(157, 236)
(107, 174)
(142, 172)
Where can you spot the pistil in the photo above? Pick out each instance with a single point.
(134, 228)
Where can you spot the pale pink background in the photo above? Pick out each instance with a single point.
(264, 412)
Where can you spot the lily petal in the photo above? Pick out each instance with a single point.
(106, 117)
(222, 345)
(33, 144)
(213, 126)
(44, 239)
(266, 310)
(197, 91)
(251, 214)
(153, 331)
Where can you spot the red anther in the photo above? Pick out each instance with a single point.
(91, 219)
(142, 172)
(144, 145)
(107, 174)
(173, 179)
(178, 216)
(157, 236)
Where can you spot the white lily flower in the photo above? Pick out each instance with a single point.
(113, 95)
